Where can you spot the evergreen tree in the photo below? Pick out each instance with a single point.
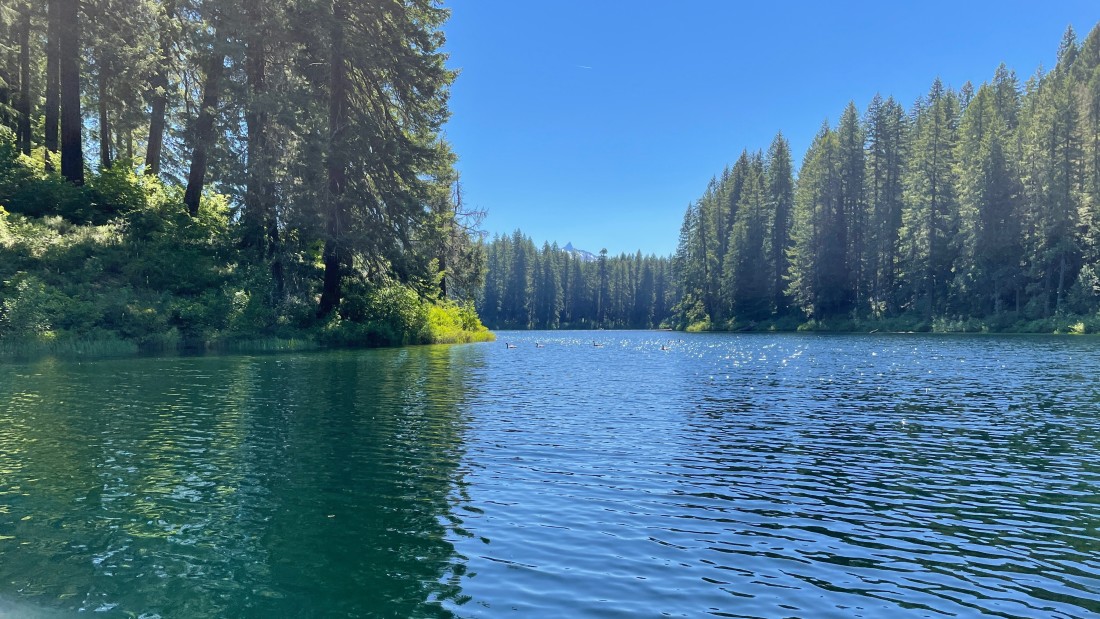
(930, 220)
(885, 158)
(1052, 177)
(989, 201)
(817, 271)
(780, 198)
(850, 218)
(746, 266)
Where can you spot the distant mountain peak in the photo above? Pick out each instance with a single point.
(584, 255)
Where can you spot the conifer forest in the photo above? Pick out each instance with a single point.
(975, 208)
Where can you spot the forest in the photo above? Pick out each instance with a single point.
(551, 288)
(181, 172)
(972, 209)
(975, 209)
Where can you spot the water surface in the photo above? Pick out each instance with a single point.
(731, 475)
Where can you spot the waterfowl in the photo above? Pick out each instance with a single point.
(510, 345)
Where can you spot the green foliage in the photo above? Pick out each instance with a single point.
(699, 326)
(455, 323)
(388, 315)
(118, 190)
(394, 315)
(27, 189)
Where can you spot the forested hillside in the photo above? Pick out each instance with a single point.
(976, 208)
(551, 288)
(186, 170)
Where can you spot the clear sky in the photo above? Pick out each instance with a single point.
(598, 121)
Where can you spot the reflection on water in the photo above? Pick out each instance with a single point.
(731, 475)
(233, 486)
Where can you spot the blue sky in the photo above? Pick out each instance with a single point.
(598, 121)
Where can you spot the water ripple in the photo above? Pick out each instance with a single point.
(729, 475)
(787, 475)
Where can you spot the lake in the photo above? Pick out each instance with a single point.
(746, 475)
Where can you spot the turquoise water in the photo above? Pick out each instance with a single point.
(731, 475)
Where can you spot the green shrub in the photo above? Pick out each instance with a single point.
(453, 323)
(119, 189)
(28, 306)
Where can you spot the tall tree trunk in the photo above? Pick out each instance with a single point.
(5, 95)
(159, 95)
(120, 141)
(72, 153)
(204, 127)
(53, 84)
(338, 104)
(261, 226)
(255, 118)
(23, 134)
(104, 121)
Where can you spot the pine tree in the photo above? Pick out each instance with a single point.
(780, 198)
(23, 100)
(747, 264)
(930, 218)
(989, 202)
(1052, 177)
(885, 158)
(851, 216)
(818, 272)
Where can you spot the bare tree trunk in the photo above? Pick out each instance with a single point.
(104, 122)
(338, 104)
(159, 87)
(204, 127)
(72, 153)
(261, 226)
(255, 118)
(23, 134)
(53, 84)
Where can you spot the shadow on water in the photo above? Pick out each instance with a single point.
(238, 486)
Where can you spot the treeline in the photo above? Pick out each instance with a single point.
(315, 126)
(975, 207)
(550, 288)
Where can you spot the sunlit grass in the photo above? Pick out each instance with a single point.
(451, 323)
